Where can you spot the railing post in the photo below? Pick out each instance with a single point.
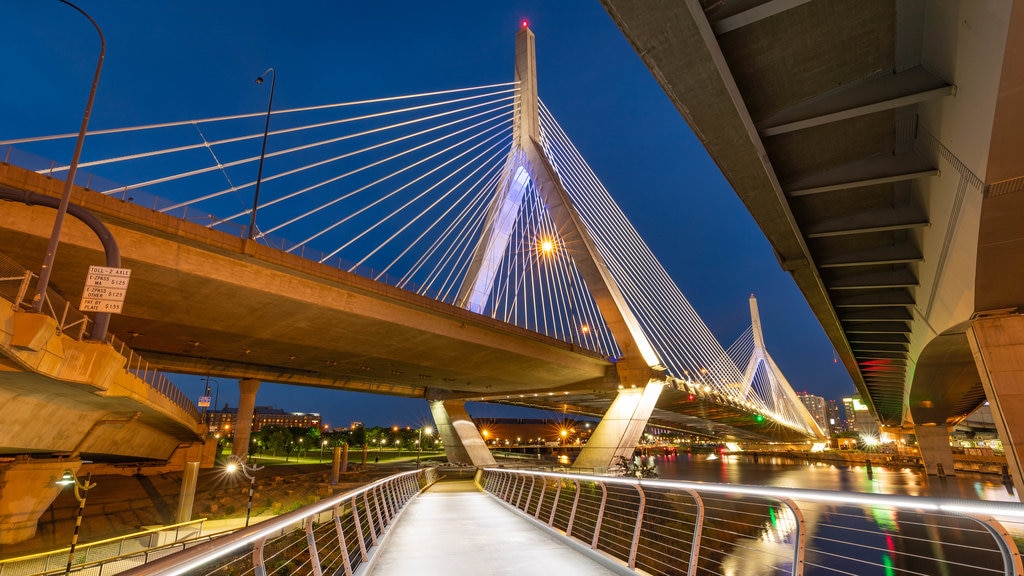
(523, 489)
(359, 527)
(554, 505)
(698, 529)
(380, 514)
(801, 537)
(369, 517)
(540, 500)
(631, 562)
(314, 555)
(342, 544)
(575, 503)
(1007, 546)
(600, 515)
(259, 567)
(532, 484)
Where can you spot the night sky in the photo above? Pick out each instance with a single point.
(190, 59)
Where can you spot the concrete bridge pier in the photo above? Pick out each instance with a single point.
(247, 389)
(27, 489)
(934, 444)
(462, 441)
(621, 427)
(997, 343)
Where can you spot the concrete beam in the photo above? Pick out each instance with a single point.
(27, 488)
(619, 430)
(462, 441)
(997, 344)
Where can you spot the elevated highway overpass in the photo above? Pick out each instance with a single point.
(205, 302)
(878, 147)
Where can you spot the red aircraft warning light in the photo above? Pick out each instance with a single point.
(525, 23)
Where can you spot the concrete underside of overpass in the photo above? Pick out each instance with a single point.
(204, 302)
(878, 147)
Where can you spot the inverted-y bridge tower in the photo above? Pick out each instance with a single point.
(639, 373)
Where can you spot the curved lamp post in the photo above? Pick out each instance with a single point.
(237, 464)
(263, 151)
(51, 248)
(81, 488)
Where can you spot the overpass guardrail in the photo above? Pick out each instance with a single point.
(332, 537)
(690, 528)
(18, 284)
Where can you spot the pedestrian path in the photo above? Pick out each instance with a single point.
(454, 529)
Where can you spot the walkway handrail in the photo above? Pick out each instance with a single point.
(332, 536)
(53, 561)
(662, 526)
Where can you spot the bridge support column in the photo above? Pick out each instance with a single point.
(620, 428)
(462, 441)
(27, 489)
(934, 444)
(998, 346)
(243, 425)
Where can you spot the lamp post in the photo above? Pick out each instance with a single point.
(322, 446)
(81, 488)
(65, 199)
(419, 443)
(263, 151)
(234, 464)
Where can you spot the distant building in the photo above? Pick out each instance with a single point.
(226, 418)
(859, 417)
(816, 406)
(835, 417)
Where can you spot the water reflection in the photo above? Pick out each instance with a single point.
(800, 473)
(852, 539)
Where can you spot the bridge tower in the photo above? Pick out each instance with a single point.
(781, 393)
(639, 371)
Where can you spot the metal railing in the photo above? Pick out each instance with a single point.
(101, 557)
(333, 536)
(688, 528)
(17, 285)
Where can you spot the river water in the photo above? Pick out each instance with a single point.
(843, 538)
(800, 473)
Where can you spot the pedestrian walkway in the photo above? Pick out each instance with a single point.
(454, 529)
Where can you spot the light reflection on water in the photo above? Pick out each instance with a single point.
(798, 473)
(842, 533)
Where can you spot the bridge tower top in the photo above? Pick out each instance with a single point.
(528, 126)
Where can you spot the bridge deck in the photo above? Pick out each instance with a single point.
(453, 528)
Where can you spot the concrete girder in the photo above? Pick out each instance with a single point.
(883, 314)
(879, 169)
(896, 278)
(871, 298)
(877, 327)
(869, 221)
(746, 12)
(877, 94)
(903, 253)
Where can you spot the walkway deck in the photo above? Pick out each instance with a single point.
(454, 529)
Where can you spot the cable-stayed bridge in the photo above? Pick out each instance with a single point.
(420, 213)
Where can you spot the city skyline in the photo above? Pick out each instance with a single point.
(191, 60)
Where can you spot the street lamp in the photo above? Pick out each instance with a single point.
(235, 463)
(81, 489)
(419, 443)
(263, 150)
(65, 199)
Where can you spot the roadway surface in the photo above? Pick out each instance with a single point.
(454, 528)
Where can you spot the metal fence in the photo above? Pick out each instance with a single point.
(333, 536)
(102, 557)
(687, 528)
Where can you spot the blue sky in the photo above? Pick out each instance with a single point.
(189, 59)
